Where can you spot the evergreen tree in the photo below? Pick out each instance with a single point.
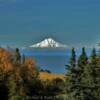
(93, 57)
(87, 83)
(91, 78)
(95, 63)
(73, 58)
(83, 59)
(82, 65)
(75, 86)
(18, 56)
(72, 77)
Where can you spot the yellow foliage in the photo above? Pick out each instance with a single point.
(31, 65)
(29, 61)
(50, 76)
(5, 60)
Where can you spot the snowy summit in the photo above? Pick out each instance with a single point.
(48, 43)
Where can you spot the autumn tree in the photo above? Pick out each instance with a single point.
(16, 90)
(23, 59)
(6, 64)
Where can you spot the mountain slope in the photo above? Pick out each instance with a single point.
(48, 43)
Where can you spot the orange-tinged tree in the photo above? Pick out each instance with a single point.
(6, 64)
(30, 63)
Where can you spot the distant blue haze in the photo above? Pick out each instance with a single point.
(53, 60)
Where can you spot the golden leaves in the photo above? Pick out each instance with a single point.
(5, 60)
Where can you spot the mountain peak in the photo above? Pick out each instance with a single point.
(49, 38)
(48, 43)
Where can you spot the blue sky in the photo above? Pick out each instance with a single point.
(73, 22)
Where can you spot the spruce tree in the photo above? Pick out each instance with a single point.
(91, 78)
(89, 88)
(75, 86)
(83, 59)
(73, 58)
(93, 58)
(82, 65)
(95, 63)
(17, 56)
(72, 78)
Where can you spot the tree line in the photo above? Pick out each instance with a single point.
(83, 76)
(19, 78)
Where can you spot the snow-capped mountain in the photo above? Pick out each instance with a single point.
(48, 43)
